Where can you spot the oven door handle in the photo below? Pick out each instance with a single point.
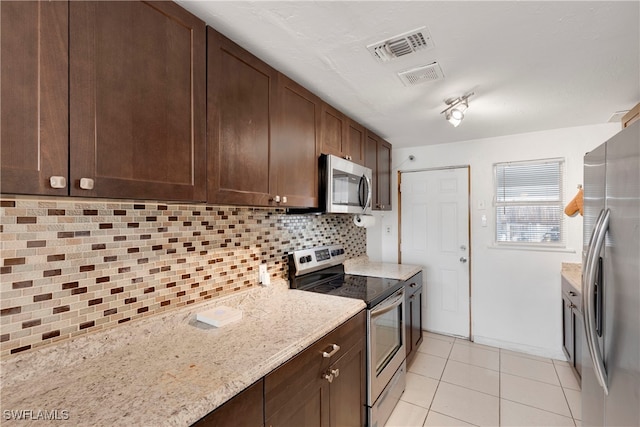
(389, 304)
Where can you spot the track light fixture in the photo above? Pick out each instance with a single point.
(454, 113)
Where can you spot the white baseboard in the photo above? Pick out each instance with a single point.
(522, 348)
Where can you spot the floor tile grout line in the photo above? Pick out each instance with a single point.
(457, 419)
(538, 408)
(532, 379)
(565, 396)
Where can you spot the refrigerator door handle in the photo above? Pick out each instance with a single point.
(591, 265)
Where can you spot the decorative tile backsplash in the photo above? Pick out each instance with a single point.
(70, 267)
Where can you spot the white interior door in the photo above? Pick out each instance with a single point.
(434, 226)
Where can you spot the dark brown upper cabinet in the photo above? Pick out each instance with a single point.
(137, 101)
(34, 97)
(341, 136)
(261, 132)
(239, 111)
(103, 99)
(294, 159)
(378, 158)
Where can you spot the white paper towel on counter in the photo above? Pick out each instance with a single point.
(365, 221)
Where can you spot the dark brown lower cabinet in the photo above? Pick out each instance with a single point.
(572, 327)
(413, 314)
(244, 410)
(324, 385)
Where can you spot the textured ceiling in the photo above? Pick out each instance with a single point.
(532, 65)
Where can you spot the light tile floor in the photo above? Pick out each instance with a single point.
(454, 382)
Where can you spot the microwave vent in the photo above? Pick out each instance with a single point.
(422, 74)
(401, 45)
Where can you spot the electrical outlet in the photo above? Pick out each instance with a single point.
(262, 272)
(388, 229)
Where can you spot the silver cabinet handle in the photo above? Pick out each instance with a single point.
(58, 182)
(463, 259)
(276, 199)
(284, 199)
(591, 264)
(334, 349)
(335, 372)
(328, 377)
(86, 183)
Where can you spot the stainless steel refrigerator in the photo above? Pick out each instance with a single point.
(611, 282)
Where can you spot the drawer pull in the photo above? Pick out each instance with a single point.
(331, 375)
(334, 348)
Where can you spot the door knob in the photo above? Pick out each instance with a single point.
(463, 259)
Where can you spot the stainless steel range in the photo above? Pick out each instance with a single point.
(321, 270)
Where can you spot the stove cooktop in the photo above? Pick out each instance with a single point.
(372, 290)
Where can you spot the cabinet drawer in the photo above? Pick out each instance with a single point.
(413, 285)
(307, 368)
(572, 294)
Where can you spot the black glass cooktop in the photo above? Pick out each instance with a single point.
(372, 290)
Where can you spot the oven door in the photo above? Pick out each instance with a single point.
(386, 350)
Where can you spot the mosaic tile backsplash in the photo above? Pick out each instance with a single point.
(71, 267)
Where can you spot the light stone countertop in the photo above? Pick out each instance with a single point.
(363, 267)
(169, 369)
(572, 272)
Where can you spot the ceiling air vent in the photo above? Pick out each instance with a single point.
(425, 73)
(402, 44)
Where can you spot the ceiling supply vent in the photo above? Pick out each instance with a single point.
(423, 74)
(402, 44)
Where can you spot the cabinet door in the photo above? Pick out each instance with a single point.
(355, 142)
(567, 329)
(333, 132)
(578, 340)
(384, 175)
(416, 319)
(347, 390)
(137, 100)
(244, 410)
(240, 91)
(294, 160)
(34, 109)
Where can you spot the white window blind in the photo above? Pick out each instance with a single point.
(529, 202)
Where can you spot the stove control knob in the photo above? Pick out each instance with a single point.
(303, 259)
(308, 258)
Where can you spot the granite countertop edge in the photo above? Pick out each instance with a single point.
(361, 266)
(572, 273)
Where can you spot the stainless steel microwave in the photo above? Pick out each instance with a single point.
(346, 185)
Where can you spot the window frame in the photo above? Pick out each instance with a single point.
(538, 245)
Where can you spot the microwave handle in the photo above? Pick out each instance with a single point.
(367, 201)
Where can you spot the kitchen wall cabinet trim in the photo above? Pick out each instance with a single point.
(34, 100)
(137, 101)
(632, 116)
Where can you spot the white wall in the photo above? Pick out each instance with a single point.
(515, 293)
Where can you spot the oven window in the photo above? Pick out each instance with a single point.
(387, 328)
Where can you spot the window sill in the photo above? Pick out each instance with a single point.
(533, 248)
